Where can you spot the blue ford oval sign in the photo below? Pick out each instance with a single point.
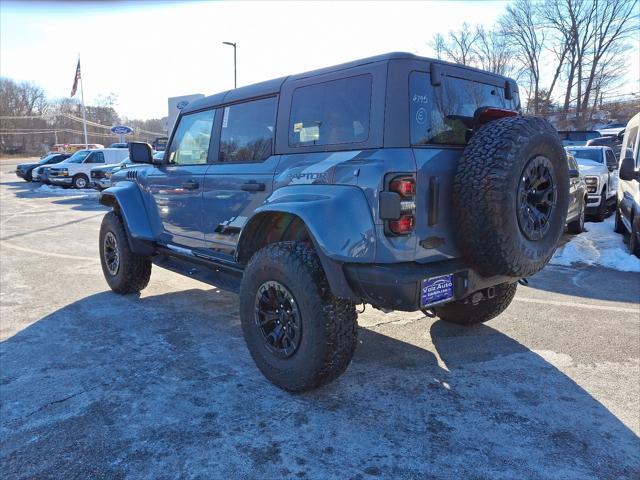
(121, 130)
(182, 104)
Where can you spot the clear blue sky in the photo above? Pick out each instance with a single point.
(145, 52)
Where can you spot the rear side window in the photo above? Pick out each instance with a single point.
(247, 131)
(95, 157)
(443, 115)
(331, 113)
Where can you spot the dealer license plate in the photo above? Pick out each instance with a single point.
(436, 290)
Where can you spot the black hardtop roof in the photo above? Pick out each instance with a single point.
(271, 87)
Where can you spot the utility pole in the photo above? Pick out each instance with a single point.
(235, 76)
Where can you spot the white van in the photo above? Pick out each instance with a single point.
(76, 169)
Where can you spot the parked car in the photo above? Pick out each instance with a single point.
(599, 167)
(74, 172)
(577, 198)
(400, 181)
(101, 176)
(571, 138)
(41, 174)
(627, 217)
(25, 170)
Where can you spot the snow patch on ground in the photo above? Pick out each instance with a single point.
(66, 192)
(599, 245)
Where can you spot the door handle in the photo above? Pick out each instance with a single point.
(190, 185)
(253, 187)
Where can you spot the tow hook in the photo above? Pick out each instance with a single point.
(523, 281)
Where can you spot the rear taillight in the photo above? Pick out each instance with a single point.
(403, 225)
(405, 187)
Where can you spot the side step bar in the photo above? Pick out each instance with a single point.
(205, 271)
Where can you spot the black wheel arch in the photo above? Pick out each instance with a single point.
(269, 227)
(141, 247)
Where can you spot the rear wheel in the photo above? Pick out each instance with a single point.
(299, 334)
(465, 312)
(577, 226)
(124, 270)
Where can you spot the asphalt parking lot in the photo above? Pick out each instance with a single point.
(96, 385)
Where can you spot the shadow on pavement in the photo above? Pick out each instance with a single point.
(163, 387)
(598, 283)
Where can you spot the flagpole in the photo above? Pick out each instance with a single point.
(84, 115)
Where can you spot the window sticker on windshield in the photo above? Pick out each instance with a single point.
(225, 118)
(297, 127)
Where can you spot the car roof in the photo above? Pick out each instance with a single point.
(271, 87)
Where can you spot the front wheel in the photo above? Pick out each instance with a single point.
(465, 312)
(124, 270)
(80, 181)
(601, 212)
(299, 334)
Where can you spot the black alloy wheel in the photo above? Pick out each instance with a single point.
(537, 197)
(278, 318)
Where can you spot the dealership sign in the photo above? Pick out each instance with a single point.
(121, 130)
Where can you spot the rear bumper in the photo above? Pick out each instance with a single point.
(397, 286)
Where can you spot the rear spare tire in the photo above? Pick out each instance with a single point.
(510, 196)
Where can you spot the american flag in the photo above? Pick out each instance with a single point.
(75, 80)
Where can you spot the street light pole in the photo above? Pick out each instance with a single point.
(235, 77)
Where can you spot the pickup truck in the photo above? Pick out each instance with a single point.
(599, 166)
(76, 170)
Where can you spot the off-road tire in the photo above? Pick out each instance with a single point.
(464, 312)
(577, 226)
(134, 270)
(79, 178)
(329, 324)
(601, 212)
(618, 226)
(485, 196)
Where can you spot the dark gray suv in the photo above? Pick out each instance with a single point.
(399, 181)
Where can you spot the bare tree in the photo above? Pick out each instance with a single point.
(522, 27)
(458, 46)
(492, 51)
(613, 22)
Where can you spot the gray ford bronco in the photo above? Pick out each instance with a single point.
(399, 181)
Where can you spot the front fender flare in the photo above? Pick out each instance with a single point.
(127, 199)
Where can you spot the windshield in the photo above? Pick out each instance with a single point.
(46, 159)
(78, 157)
(594, 155)
(444, 114)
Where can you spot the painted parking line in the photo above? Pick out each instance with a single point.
(587, 306)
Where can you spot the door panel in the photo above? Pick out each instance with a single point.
(175, 189)
(242, 177)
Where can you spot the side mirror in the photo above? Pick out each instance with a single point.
(574, 173)
(627, 170)
(140, 152)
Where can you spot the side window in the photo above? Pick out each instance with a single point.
(95, 157)
(247, 131)
(331, 113)
(190, 145)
